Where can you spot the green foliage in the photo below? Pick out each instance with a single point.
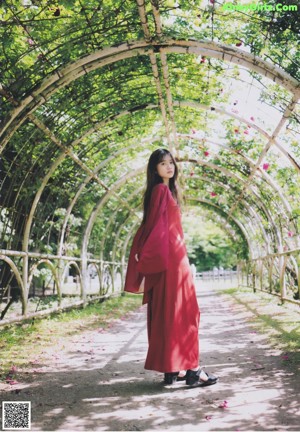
(210, 246)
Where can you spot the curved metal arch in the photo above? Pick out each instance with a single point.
(222, 111)
(54, 273)
(111, 219)
(37, 197)
(28, 224)
(194, 198)
(84, 184)
(125, 246)
(268, 179)
(121, 226)
(225, 227)
(248, 226)
(109, 55)
(235, 221)
(230, 174)
(263, 208)
(105, 197)
(255, 215)
(152, 106)
(192, 104)
(74, 263)
(18, 276)
(61, 157)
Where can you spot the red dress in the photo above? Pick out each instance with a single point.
(164, 272)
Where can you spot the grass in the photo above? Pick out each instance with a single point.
(19, 343)
(280, 322)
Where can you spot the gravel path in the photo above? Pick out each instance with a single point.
(97, 382)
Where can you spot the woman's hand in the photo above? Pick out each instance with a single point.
(136, 256)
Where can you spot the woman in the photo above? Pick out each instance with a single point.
(158, 265)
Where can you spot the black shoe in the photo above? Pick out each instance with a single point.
(170, 378)
(193, 379)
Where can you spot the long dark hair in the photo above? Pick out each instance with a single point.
(153, 178)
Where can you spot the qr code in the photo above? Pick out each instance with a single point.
(16, 415)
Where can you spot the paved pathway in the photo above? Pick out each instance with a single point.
(99, 384)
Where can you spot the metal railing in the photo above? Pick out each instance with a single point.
(68, 286)
(65, 284)
(217, 274)
(277, 274)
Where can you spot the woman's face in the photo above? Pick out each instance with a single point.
(166, 168)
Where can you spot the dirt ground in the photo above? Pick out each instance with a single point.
(97, 381)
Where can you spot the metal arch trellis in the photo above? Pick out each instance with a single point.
(127, 50)
(261, 131)
(93, 217)
(121, 226)
(54, 272)
(256, 217)
(235, 221)
(252, 164)
(170, 102)
(264, 174)
(110, 222)
(246, 205)
(88, 178)
(18, 276)
(230, 174)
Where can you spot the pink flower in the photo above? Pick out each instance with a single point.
(203, 59)
(208, 417)
(290, 234)
(213, 194)
(206, 153)
(11, 381)
(238, 44)
(236, 131)
(266, 166)
(211, 1)
(30, 42)
(224, 404)
(252, 118)
(246, 132)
